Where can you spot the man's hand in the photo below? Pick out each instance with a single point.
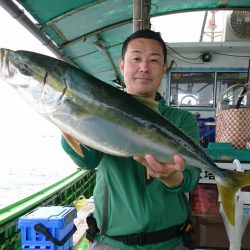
(171, 174)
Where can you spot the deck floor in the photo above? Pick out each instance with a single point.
(81, 224)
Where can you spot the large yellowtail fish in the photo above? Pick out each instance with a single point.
(107, 119)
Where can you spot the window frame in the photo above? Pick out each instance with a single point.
(216, 95)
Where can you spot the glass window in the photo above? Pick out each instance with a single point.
(192, 89)
(229, 86)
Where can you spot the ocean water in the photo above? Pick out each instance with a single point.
(31, 156)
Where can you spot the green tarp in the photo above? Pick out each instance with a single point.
(74, 26)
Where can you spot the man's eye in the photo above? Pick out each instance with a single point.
(136, 59)
(154, 61)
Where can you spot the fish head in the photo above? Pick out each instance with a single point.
(18, 69)
(34, 76)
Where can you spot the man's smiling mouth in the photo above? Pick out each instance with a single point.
(143, 78)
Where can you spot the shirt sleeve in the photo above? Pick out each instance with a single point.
(191, 173)
(189, 125)
(90, 159)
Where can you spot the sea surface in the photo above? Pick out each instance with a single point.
(31, 156)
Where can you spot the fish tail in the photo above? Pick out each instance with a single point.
(227, 189)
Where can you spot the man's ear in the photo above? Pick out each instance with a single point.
(121, 66)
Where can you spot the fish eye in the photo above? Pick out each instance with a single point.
(24, 68)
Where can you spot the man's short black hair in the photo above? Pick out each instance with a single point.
(146, 33)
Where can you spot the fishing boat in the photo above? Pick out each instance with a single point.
(89, 35)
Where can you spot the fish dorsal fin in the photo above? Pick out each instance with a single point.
(152, 104)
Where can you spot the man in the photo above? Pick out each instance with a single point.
(134, 210)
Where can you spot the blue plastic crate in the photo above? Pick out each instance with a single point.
(49, 227)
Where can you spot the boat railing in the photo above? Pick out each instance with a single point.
(65, 192)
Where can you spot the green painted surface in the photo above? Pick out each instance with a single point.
(225, 152)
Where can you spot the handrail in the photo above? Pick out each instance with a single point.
(19, 208)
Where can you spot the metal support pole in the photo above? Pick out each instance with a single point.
(20, 16)
(141, 9)
(203, 26)
(146, 17)
(137, 15)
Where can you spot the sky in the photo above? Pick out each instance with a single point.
(186, 27)
(28, 142)
(15, 37)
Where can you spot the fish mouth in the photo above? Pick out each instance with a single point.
(5, 65)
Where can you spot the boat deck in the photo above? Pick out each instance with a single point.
(84, 208)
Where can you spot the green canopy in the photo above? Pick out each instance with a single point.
(78, 27)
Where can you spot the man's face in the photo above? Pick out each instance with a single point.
(143, 67)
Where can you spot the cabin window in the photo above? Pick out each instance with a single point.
(230, 81)
(192, 89)
(197, 89)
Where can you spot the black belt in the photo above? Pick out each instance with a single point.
(141, 239)
(149, 237)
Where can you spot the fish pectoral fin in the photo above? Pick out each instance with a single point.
(74, 144)
(227, 190)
